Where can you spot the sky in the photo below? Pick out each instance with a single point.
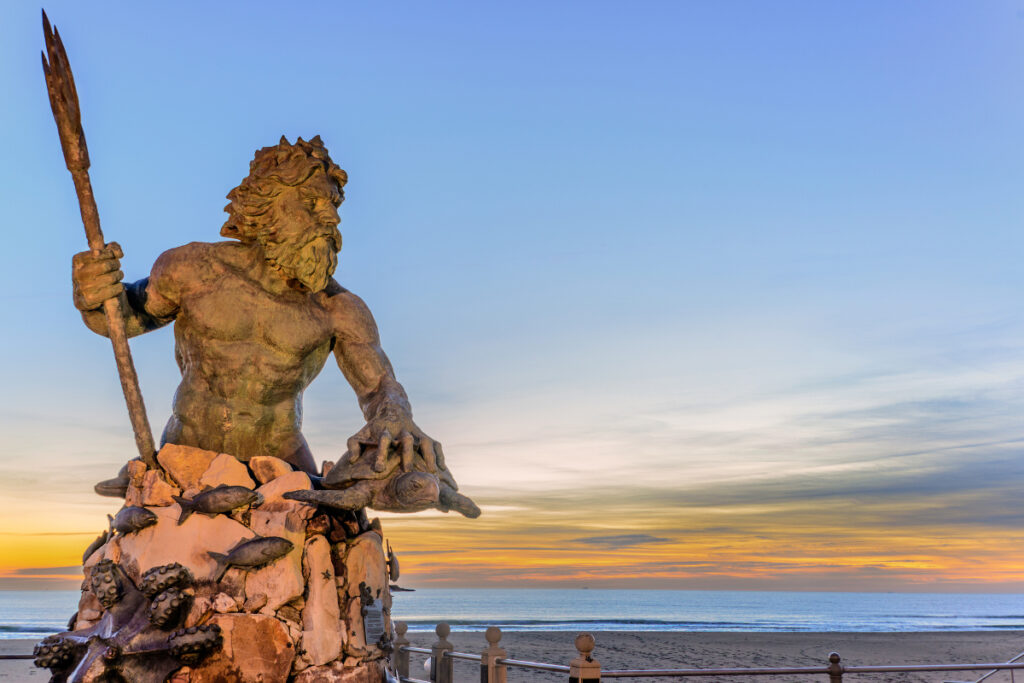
(697, 295)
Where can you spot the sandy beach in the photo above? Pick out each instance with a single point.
(658, 650)
(624, 649)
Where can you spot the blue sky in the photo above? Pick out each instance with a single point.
(666, 261)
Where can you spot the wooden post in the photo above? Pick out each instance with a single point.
(584, 669)
(835, 669)
(441, 666)
(490, 670)
(399, 657)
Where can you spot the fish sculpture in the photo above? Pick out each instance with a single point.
(218, 500)
(131, 519)
(252, 554)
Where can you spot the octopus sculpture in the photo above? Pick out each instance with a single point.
(132, 641)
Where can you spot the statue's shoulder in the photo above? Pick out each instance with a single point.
(351, 316)
(187, 254)
(203, 256)
(197, 260)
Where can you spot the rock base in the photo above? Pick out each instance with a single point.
(298, 617)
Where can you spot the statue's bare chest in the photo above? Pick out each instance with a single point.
(234, 309)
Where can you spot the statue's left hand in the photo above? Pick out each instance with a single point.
(391, 428)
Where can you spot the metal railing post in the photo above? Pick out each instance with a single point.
(399, 657)
(584, 669)
(835, 669)
(490, 670)
(441, 666)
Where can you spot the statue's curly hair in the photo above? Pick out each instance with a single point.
(271, 170)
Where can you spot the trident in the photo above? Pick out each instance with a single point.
(64, 101)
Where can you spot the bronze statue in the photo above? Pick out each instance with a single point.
(255, 320)
(284, 579)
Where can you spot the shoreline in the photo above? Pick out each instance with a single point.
(699, 649)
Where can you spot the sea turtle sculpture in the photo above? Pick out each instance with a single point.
(396, 484)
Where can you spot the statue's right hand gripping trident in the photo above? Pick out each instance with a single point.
(97, 277)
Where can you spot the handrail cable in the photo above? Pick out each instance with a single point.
(990, 673)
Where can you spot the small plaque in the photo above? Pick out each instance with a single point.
(373, 623)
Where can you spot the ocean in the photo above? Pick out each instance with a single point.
(33, 614)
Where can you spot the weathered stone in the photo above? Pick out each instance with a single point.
(224, 603)
(273, 494)
(320, 524)
(326, 467)
(337, 672)
(338, 551)
(166, 542)
(321, 616)
(200, 609)
(256, 649)
(343, 528)
(233, 583)
(365, 564)
(267, 468)
(292, 612)
(281, 581)
(135, 469)
(295, 631)
(156, 491)
(226, 469)
(133, 496)
(185, 465)
(255, 603)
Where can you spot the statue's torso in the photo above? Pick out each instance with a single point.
(246, 350)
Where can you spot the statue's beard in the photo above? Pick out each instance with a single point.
(310, 264)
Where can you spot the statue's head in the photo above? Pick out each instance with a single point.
(288, 204)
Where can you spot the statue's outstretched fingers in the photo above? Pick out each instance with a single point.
(382, 451)
(427, 451)
(450, 499)
(407, 453)
(442, 472)
(354, 448)
(439, 452)
(448, 479)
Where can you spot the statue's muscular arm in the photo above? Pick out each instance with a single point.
(148, 304)
(382, 399)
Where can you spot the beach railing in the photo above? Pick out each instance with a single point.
(494, 663)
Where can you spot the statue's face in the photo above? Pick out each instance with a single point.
(307, 241)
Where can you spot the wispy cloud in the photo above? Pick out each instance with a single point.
(48, 571)
(621, 540)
